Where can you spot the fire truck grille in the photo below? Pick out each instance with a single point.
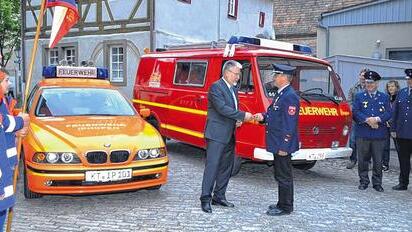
(319, 131)
(96, 157)
(119, 156)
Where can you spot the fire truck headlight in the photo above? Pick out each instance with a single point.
(345, 130)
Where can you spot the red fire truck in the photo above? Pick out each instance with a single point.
(173, 83)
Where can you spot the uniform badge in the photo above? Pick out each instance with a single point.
(365, 104)
(292, 110)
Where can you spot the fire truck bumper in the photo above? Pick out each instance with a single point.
(308, 154)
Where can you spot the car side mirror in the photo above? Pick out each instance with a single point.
(144, 113)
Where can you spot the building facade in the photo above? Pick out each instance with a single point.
(115, 33)
(379, 29)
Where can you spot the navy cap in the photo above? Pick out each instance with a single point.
(283, 69)
(371, 76)
(408, 73)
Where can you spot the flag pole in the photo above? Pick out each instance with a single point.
(26, 94)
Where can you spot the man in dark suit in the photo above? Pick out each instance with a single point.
(282, 138)
(401, 130)
(223, 116)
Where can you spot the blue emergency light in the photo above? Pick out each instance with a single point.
(75, 72)
(267, 43)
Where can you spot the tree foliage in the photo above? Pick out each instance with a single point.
(10, 24)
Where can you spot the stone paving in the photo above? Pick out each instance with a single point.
(326, 199)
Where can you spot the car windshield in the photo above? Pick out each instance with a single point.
(82, 101)
(312, 80)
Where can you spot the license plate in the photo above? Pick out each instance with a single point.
(108, 175)
(316, 156)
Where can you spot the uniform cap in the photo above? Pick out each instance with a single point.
(283, 69)
(408, 73)
(371, 76)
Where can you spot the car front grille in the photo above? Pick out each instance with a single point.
(96, 157)
(119, 156)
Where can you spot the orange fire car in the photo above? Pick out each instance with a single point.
(85, 137)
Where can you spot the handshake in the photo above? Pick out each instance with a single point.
(249, 117)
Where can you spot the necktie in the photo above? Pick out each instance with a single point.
(372, 95)
(234, 96)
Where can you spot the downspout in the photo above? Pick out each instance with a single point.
(327, 35)
(152, 26)
(218, 21)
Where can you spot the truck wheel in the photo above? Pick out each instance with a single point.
(305, 166)
(237, 164)
(27, 193)
(153, 121)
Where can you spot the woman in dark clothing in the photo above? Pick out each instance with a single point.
(392, 88)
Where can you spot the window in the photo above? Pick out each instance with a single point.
(232, 8)
(59, 53)
(190, 73)
(261, 19)
(116, 64)
(115, 59)
(186, 1)
(400, 54)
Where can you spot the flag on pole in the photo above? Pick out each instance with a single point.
(65, 16)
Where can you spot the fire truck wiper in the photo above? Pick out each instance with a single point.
(323, 95)
(300, 93)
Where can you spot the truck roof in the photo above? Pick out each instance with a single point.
(240, 51)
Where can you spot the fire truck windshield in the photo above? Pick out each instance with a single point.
(313, 80)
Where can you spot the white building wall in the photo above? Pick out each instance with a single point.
(201, 21)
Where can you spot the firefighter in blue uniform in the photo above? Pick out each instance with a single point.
(7, 198)
(282, 139)
(402, 130)
(371, 110)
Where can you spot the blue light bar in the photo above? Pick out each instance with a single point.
(267, 43)
(75, 72)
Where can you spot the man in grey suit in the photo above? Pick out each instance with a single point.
(223, 116)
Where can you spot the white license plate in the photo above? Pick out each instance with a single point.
(316, 156)
(109, 175)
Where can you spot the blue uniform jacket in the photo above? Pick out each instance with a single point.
(16, 123)
(402, 115)
(281, 121)
(6, 173)
(365, 106)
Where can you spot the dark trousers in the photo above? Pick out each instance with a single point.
(3, 215)
(284, 177)
(404, 155)
(352, 144)
(367, 148)
(218, 168)
(387, 151)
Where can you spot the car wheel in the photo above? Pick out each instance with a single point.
(27, 193)
(305, 166)
(237, 164)
(157, 187)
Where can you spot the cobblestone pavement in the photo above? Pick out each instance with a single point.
(326, 199)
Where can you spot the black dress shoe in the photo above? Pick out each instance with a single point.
(277, 212)
(378, 188)
(400, 187)
(224, 203)
(206, 207)
(272, 206)
(362, 187)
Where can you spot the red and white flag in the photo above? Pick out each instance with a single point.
(65, 17)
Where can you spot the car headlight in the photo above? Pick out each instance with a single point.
(56, 158)
(150, 153)
(52, 157)
(345, 130)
